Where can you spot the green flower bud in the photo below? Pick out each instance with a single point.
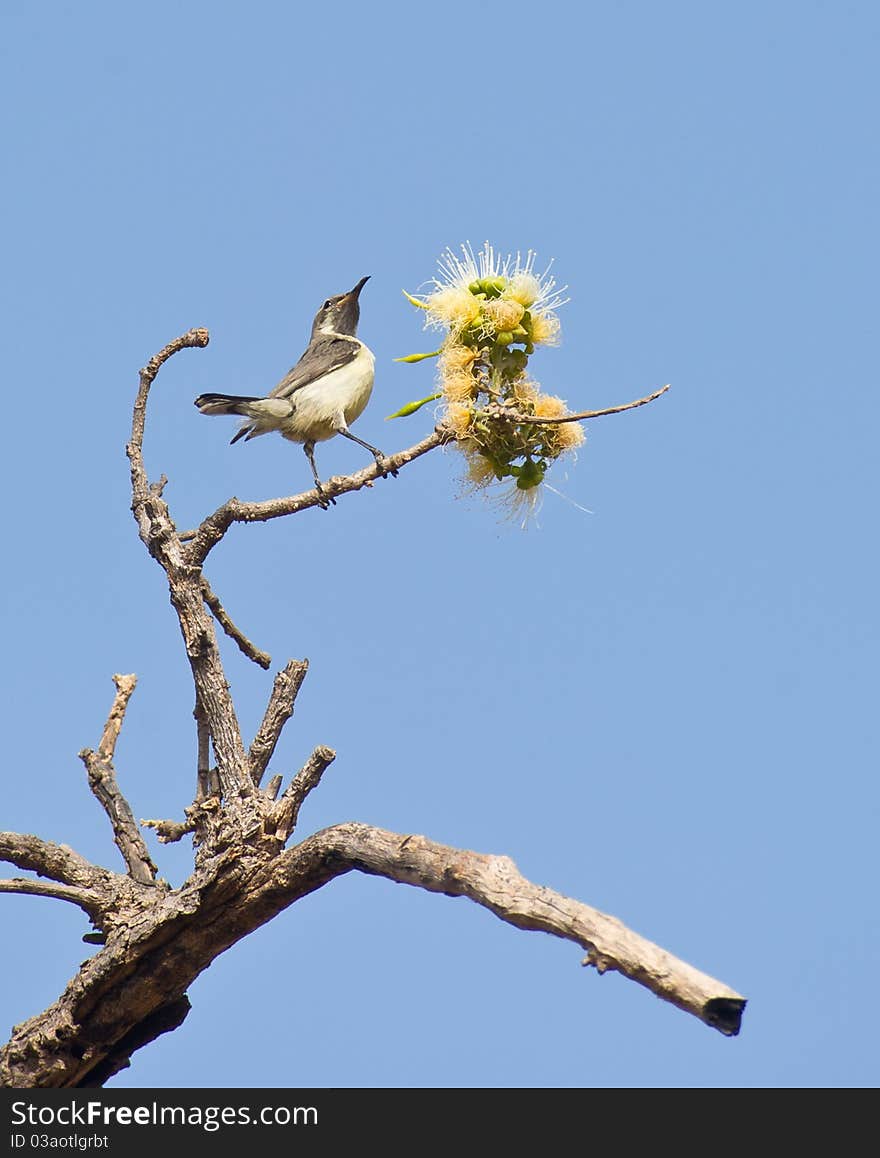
(529, 475)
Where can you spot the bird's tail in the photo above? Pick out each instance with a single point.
(226, 404)
(262, 414)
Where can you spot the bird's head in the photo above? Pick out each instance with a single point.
(340, 314)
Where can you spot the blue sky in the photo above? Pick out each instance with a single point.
(665, 707)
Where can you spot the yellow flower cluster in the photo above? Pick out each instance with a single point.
(495, 312)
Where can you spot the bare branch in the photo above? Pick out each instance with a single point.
(57, 862)
(102, 781)
(533, 420)
(271, 789)
(149, 961)
(170, 831)
(282, 819)
(278, 711)
(212, 529)
(495, 883)
(159, 535)
(244, 644)
(125, 685)
(91, 903)
(193, 338)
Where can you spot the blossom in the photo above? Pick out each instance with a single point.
(456, 374)
(453, 306)
(568, 436)
(486, 295)
(545, 330)
(459, 418)
(536, 291)
(495, 310)
(546, 406)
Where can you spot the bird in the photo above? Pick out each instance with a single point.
(319, 397)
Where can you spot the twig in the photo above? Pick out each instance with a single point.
(170, 831)
(89, 902)
(533, 420)
(282, 819)
(211, 530)
(102, 781)
(244, 644)
(271, 789)
(193, 338)
(278, 711)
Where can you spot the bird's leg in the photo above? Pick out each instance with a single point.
(377, 454)
(323, 499)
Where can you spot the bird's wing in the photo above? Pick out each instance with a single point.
(324, 354)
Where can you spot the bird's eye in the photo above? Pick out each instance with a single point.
(327, 304)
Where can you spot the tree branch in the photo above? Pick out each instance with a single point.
(57, 862)
(198, 338)
(102, 781)
(170, 831)
(534, 420)
(159, 535)
(278, 711)
(91, 903)
(495, 883)
(211, 530)
(242, 642)
(155, 951)
(282, 819)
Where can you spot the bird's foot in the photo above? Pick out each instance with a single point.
(325, 501)
(384, 466)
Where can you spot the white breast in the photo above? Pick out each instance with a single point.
(323, 408)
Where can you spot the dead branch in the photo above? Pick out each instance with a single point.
(282, 819)
(170, 831)
(149, 961)
(211, 530)
(91, 903)
(197, 338)
(57, 862)
(102, 781)
(495, 883)
(241, 641)
(159, 535)
(278, 711)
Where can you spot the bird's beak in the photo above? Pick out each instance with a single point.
(357, 289)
